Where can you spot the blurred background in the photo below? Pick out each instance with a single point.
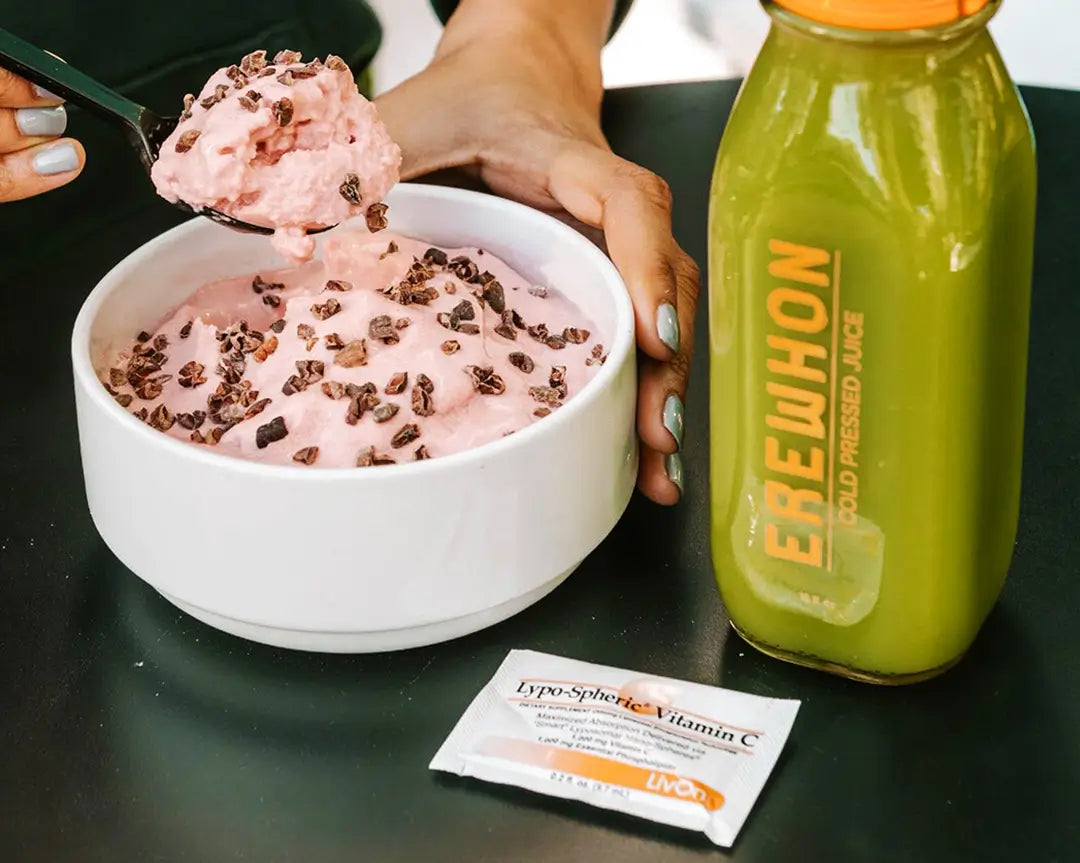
(692, 40)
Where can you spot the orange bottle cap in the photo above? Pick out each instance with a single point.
(884, 14)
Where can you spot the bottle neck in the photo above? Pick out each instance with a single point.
(954, 30)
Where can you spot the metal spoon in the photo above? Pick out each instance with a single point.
(145, 130)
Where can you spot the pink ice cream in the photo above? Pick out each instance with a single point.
(283, 144)
(383, 351)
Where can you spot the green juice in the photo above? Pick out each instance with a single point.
(871, 232)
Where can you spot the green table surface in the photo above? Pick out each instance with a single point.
(130, 732)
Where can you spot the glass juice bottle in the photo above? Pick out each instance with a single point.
(871, 231)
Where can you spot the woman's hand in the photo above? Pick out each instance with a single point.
(32, 160)
(514, 94)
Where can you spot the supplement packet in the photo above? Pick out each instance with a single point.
(680, 753)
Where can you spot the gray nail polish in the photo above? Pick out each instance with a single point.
(667, 326)
(673, 418)
(56, 159)
(673, 466)
(41, 121)
(42, 93)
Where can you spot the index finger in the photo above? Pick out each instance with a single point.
(17, 92)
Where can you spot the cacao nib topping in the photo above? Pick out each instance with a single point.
(259, 284)
(109, 388)
(464, 311)
(541, 412)
(295, 384)
(123, 399)
(595, 361)
(278, 326)
(333, 389)
(425, 383)
(443, 319)
(383, 459)
(187, 140)
(162, 418)
(485, 381)
(286, 78)
(287, 57)
(402, 323)
(267, 72)
(538, 291)
(310, 371)
(464, 268)
(272, 432)
(369, 388)
(249, 101)
(555, 342)
(220, 91)
(253, 62)
(360, 402)
(333, 342)
(539, 332)
(350, 189)
(468, 329)
(307, 455)
(391, 249)
(231, 369)
(421, 453)
(381, 328)
(309, 70)
(505, 327)
(283, 111)
(189, 101)
(338, 285)
(366, 457)
(265, 349)
(522, 361)
(160, 342)
(546, 395)
(143, 336)
(423, 296)
(597, 351)
(434, 256)
(191, 421)
(191, 374)
(352, 355)
(405, 435)
(185, 330)
(336, 64)
(516, 319)
(376, 217)
(422, 404)
(305, 331)
(117, 377)
(322, 311)
(451, 346)
(575, 336)
(142, 414)
(384, 412)
(234, 73)
(495, 297)
(272, 300)
(450, 288)
(397, 383)
(257, 408)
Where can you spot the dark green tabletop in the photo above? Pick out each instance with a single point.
(130, 732)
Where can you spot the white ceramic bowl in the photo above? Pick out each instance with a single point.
(349, 560)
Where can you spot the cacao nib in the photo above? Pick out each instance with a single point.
(422, 404)
(382, 329)
(286, 78)
(189, 101)
(451, 346)
(405, 435)
(338, 285)
(336, 64)
(287, 57)
(322, 311)
(350, 189)
(516, 319)
(231, 370)
(160, 342)
(423, 296)
(148, 390)
(402, 323)
(186, 141)
(265, 349)
(253, 62)
(123, 399)
(278, 326)
(464, 311)
(376, 217)
(142, 414)
(495, 297)
(333, 389)
(366, 457)
(436, 257)
(305, 331)
(555, 342)
(444, 319)
(468, 329)
(117, 377)
(425, 383)
(421, 453)
(161, 418)
(191, 421)
(397, 384)
(391, 249)
(352, 355)
(307, 455)
(249, 101)
(597, 351)
(310, 371)
(256, 409)
(191, 374)
(575, 336)
(210, 101)
(522, 361)
(541, 412)
(283, 111)
(259, 284)
(546, 395)
(539, 332)
(295, 384)
(143, 336)
(505, 327)
(485, 381)
(333, 342)
(272, 300)
(384, 412)
(464, 268)
(272, 432)
(185, 330)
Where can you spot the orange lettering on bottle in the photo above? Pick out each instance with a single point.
(787, 502)
(798, 263)
(797, 410)
(798, 352)
(789, 549)
(817, 320)
(792, 462)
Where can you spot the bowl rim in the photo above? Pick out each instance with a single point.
(621, 351)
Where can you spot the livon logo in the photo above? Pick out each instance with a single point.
(671, 785)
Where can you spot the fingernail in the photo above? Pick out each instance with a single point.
(41, 121)
(56, 159)
(42, 93)
(667, 326)
(673, 418)
(673, 466)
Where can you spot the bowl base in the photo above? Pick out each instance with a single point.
(371, 641)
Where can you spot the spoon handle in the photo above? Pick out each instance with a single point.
(41, 68)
